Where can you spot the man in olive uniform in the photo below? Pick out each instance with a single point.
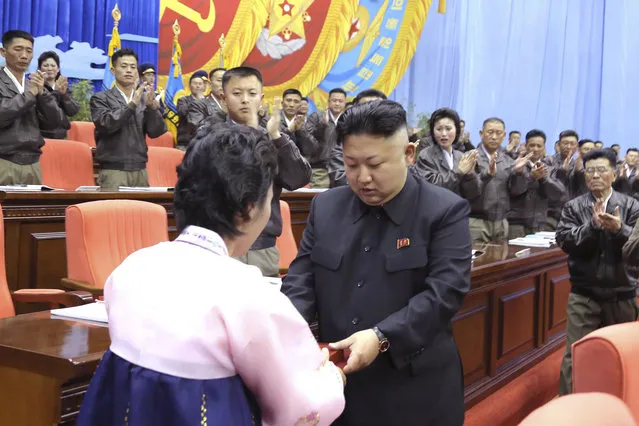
(385, 264)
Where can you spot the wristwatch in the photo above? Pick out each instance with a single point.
(384, 344)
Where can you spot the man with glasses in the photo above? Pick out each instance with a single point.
(593, 230)
(501, 177)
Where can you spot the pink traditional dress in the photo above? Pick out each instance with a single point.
(198, 338)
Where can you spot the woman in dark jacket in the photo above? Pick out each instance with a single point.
(49, 64)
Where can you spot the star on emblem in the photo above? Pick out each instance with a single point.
(289, 14)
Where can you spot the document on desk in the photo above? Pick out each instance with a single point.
(26, 188)
(146, 189)
(95, 312)
(310, 190)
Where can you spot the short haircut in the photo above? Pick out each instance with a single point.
(10, 35)
(214, 71)
(368, 93)
(616, 145)
(493, 120)
(379, 118)
(585, 141)
(337, 90)
(514, 132)
(304, 99)
(632, 150)
(49, 55)
(226, 169)
(441, 114)
(607, 153)
(123, 52)
(241, 72)
(568, 133)
(462, 121)
(535, 133)
(292, 92)
(599, 142)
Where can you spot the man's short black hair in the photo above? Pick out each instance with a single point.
(606, 153)
(214, 71)
(226, 169)
(8, 37)
(585, 141)
(535, 133)
(379, 118)
(123, 52)
(337, 90)
(493, 120)
(304, 99)
(568, 133)
(368, 93)
(615, 145)
(292, 92)
(596, 142)
(241, 72)
(444, 113)
(48, 55)
(462, 121)
(514, 132)
(632, 150)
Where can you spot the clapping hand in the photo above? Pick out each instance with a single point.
(36, 83)
(521, 162)
(610, 222)
(62, 84)
(273, 125)
(468, 162)
(539, 171)
(492, 167)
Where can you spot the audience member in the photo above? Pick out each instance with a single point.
(58, 85)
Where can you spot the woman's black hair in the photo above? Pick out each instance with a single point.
(227, 169)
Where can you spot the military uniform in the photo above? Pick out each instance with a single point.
(404, 268)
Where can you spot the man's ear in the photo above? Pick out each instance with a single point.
(409, 153)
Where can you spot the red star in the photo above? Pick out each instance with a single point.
(354, 28)
(287, 8)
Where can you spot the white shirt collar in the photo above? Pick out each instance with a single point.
(448, 156)
(288, 122)
(605, 206)
(204, 238)
(13, 78)
(216, 101)
(130, 98)
(484, 149)
(330, 113)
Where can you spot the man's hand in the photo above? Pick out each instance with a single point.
(610, 222)
(521, 162)
(364, 348)
(492, 168)
(137, 95)
(539, 171)
(579, 162)
(36, 83)
(149, 98)
(273, 125)
(62, 84)
(296, 123)
(622, 169)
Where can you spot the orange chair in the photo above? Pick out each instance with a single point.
(66, 164)
(607, 360)
(164, 141)
(82, 131)
(101, 234)
(54, 297)
(285, 243)
(591, 409)
(162, 165)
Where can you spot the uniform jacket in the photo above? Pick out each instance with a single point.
(120, 130)
(405, 268)
(70, 108)
(21, 116)
(595, 255)
(432, 165)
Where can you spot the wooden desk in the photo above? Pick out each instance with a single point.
(35, 247)
(45, 367)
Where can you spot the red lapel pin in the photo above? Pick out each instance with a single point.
(403, 242)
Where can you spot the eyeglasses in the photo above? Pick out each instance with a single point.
(601, 170)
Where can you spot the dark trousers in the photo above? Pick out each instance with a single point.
(585, 315)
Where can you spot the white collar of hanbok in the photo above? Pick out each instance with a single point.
(204, 238)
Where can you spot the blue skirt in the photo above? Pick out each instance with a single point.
(125, 394)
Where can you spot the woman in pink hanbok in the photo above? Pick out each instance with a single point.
(197, 337)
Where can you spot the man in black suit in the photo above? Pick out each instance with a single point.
(385, 265)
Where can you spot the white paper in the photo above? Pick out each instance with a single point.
(26, 188)
(530, 242)
(90, 312)
(87, 188)
(146, 188)
(311, 190)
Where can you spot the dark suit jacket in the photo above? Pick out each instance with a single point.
(351, 273)
(192, 112)
(432, 165)
(70, 108)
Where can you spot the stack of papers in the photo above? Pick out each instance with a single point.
(146, 188)
(312, 190)
(25, 188)
(95, 312)
(531, 241)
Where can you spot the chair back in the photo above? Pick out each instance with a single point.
(164, 141)
(6, 304)
(285, 243)
(607, 360)
(82, 131)
(162, 165)
(101, 234)
(592, 409)
(66, 164)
